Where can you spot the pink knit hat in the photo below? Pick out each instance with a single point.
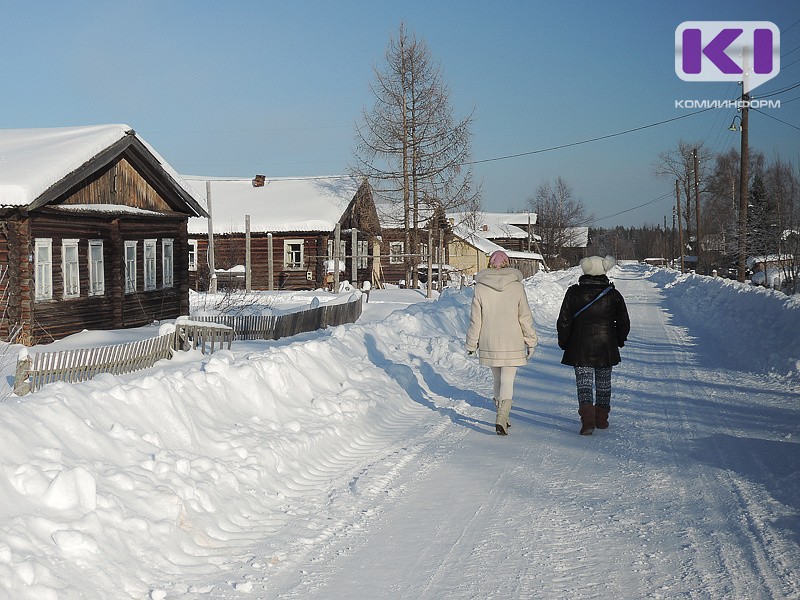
(498, 259)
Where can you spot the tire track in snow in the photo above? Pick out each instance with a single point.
(729, 552)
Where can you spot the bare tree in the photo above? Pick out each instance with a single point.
(558, 214)
(409, 145)
(678, 164)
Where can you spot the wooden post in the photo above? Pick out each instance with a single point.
(354, 257)
(337, 236)
(212, 284)
(22, 385)
(247, 265)
(270, 264)
(429, 291)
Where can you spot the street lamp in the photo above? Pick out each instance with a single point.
(733, 126)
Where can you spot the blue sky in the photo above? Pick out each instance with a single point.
(238, 88)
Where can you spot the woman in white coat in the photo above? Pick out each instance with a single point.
(501, 329)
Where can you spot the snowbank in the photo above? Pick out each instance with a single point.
(755, 329)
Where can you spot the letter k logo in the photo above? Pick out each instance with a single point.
(746, 51)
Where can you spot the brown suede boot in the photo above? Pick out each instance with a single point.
(586, 411)
(601, 415)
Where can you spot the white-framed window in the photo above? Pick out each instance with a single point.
(43, 264)
(193, 255)
(363, 254)
(167, 272)
(97, 277)
(342, 249)
(69, 268)
(149, 265)
(130, 266)
(293, 254)
(395, 253)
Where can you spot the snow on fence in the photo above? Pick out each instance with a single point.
(73, 366)
(37, 370)
(272, 327)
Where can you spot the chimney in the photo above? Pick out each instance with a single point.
(259, 180)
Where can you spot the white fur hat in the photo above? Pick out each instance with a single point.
(595, 265)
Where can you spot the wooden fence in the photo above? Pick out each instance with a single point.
(37, 370)
(72, 366)
(273, 327)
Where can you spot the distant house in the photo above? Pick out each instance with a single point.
(292, 221)
(476, 236)
(469, 252)
(512, 231)
(92, 232)
(397, 253)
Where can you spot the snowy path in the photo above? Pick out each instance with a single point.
(676, 499)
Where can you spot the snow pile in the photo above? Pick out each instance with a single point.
(733, 316)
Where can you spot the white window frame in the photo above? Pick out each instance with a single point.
(288, 263)
(193, 249)
(149, 259)
(130, 266)
(70, 270)
(396, 251)
(167, 263)
(43, 267)
(97, 276)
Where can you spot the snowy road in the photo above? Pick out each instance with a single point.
(361, 463)
(690, 493)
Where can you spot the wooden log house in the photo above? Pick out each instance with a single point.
(297, 217)
(92, 232)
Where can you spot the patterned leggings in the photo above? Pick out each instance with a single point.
(602, 384)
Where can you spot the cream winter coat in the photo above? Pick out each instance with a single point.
(501, 323)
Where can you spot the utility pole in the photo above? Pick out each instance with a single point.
(680, 225)
(697, 206)
(743, 191)
(744, 175)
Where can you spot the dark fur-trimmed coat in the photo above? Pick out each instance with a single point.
(594, 337)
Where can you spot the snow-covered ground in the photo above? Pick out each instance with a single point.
(361, 462)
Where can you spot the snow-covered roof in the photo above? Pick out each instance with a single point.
(493, 225)
(280, 205)
(576, 237)
(487, 246)
(33, 160)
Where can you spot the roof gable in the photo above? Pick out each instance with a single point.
(38, 166)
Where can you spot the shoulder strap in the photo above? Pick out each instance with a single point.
(600, 295)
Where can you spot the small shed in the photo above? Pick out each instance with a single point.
(92, 232)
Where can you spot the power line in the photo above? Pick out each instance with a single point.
(627, 210)
(587, 141)
(775, 118)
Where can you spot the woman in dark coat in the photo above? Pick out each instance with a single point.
(592, 326)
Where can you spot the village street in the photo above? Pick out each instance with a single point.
(688, 494)
(361, 462)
